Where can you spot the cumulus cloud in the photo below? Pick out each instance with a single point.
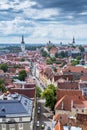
(41, 20)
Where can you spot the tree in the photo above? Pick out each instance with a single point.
(56, 54)
(2, 85)
(74, 62)
(53, 59)
(49, 61)
(50, 95)
(4, 67)
(22, 59)
(44, 53)
(54, 68)
(63, 64)
(81, 49)
(17, 66)
(22, 75)
(63, 54)
(38, 91)
(78, 57)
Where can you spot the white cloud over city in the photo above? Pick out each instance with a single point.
(40, 21)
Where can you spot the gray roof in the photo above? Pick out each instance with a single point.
(18, 105)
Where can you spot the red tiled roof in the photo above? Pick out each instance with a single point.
(65, 103)
(59, 126)
(66, 76)
(83, 78)
(68, 85)
(29, 85)
(75, 69)
(11, 70)
(48, 72)
(27, 92)
(63, 92)
(82, 117)
(62, 117)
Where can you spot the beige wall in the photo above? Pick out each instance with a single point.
(73, 112)
(17, 126)
(78, 110)
(62, 112)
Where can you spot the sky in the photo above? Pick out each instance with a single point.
(43, 20)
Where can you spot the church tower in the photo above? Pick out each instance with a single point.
(73, 40)
(22, 44)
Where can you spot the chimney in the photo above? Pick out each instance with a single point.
(23, 86)
(62, 106)
(82, 92)
(71, 104)
(67, 79)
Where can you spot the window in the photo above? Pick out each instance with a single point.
(20, 119)
(3, 119)
(76, 110)
(3, 126)
(20, 126)
(82, 110)
(11, 126)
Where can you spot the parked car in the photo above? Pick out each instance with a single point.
(38, 111)
(42, 126)
(38, 108)
(48, 128)
(38, 123)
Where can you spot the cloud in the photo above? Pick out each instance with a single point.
(43, 20)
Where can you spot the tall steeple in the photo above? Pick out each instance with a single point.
(22, 40)
(23, 44)
(73, 40)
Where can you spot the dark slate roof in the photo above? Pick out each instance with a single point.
(17, 105)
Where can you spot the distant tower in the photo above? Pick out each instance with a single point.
(23, 44)
(73, 40)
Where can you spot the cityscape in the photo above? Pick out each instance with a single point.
(43, 65)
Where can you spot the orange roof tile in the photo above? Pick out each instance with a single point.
(62, 117)
(65, 103)
(58, 126)
(67, 85)
(76, 69)
(63, 92)
(83, 78)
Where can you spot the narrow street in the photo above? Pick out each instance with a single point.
(42, 116)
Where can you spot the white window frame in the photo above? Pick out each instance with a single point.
(3, 126)
(20, 126)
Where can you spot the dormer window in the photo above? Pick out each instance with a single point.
(82, 72)
(3, 119)
(76, 110)
(82, 110)
(3, 109)
(69, 70)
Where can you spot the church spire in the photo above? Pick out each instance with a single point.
(73, 40)
(23, 44)
(22, 39)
